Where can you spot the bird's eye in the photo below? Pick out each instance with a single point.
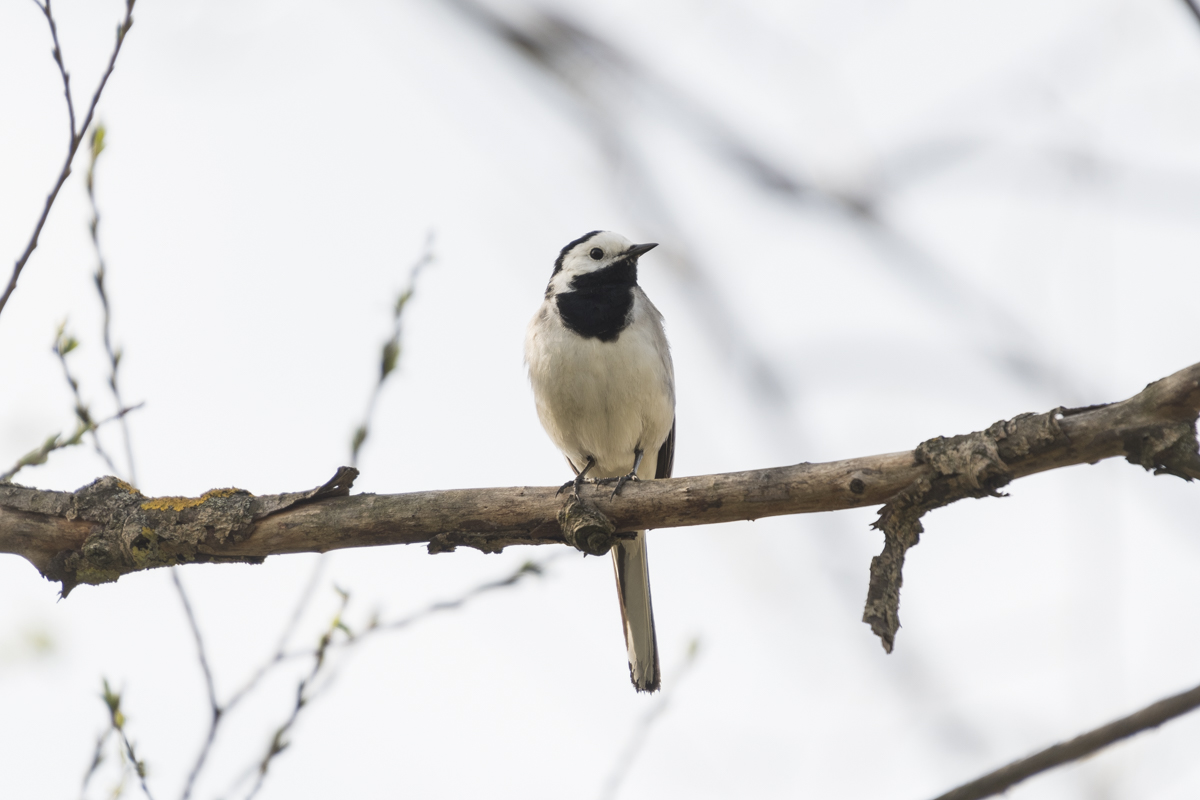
(596, 253)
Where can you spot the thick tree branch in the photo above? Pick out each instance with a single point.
(107, 528)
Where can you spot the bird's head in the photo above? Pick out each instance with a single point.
(592, 252)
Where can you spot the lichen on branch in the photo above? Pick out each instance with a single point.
(130, 532)
(108, 529)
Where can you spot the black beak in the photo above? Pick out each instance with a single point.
(638, 249)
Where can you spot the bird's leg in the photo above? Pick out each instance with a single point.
(579, 479)
(632, 476)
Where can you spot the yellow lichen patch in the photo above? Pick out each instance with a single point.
(180, 503)
(230, 492)
(171, 503)
(125, 487)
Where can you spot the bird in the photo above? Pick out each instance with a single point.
(604, 386)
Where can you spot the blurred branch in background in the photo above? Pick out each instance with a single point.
(605, 81)
(390, 354)
(1080, 747)
(577, 60)
(126, 754)
(304, 691)
(527, 569)
(338, 635)
(114, 356)
(210, 687)
(64, 343)
(76, 133)
(641, 732)
(40, 454)
(1194, 7)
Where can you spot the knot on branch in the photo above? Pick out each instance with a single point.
(1169, 449)
(974, 465)
(585, 528)
(133, 532)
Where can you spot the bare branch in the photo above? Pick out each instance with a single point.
(40, 454)
(64, 344)
(390, 353)
(603, 77)
(114, 356)
(97, 759)
(1081, 746)
(214, 707)
(1194, 7)
(327, 643)
(62, 67)
(76, 133)
(219, 711)
(280, 653)
(108, 528)
(117, 722)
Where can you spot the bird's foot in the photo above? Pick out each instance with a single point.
(580, 479)
(621, 481)
(574, 486)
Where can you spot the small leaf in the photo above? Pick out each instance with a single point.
(402, 300)
(97, 141)
(391, 353)
(111, 699)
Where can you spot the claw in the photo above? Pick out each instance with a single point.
(621, 481)
(632, 476)
(580, 479)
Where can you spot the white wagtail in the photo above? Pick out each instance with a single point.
(605, 389)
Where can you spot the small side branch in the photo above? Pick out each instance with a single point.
(76, 132)
(1081, 746)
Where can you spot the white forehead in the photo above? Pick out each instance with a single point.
(580, 257)
(613, 244)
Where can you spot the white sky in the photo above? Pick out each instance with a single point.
(273, 168)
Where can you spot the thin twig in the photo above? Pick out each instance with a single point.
(279, 741)
(1080, 747)
(117, 721)
(114, 356)
(527, 568)
(280, 653)
(76, 133)
(97, 758)
(214, 706)
(64, 344)
(40, 454)
(62, 68)
(601, 75)
(642, 730)
(390, 354)
(328, 643)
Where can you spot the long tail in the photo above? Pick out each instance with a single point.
(637, 615)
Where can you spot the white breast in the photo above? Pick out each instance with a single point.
(603, 399)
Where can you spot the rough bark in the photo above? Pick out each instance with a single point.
(107, 529)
